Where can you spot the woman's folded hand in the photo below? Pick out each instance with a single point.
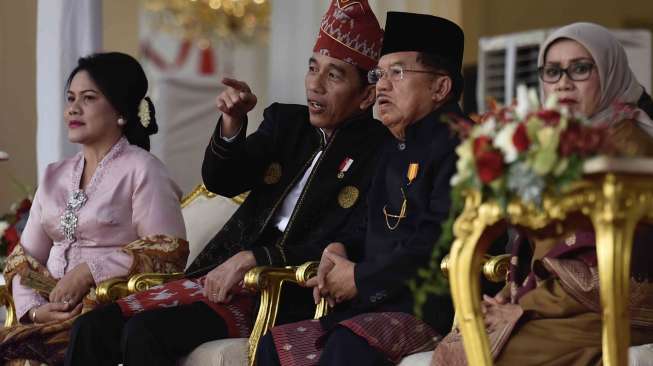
(54, 311)
(72, 287)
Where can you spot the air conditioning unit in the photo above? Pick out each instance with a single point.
(509, 60)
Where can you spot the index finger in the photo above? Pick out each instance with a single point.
(209, 288)
(321, 271)
(58, 306)
(76, 310)
(321, 276)
(65, 315)
(55, 295)
(316, 295)
(236, 84)
(312, 282)
(223, 293)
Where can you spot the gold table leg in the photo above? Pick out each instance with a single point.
(465, 289)
(466, 258)
(614, 222)
(614, 209)
(270, 289)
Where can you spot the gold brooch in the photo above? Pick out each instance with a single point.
(272, 174)
(348, 196)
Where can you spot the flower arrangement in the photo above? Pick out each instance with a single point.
(12, 225)
(524, 149)
(516, 152)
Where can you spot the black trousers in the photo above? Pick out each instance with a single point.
(156, 337)
(342, 348)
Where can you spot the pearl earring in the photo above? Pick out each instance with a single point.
(121, 122)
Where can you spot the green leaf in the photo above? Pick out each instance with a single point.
(545, 160)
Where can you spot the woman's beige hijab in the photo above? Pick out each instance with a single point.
(618, 83)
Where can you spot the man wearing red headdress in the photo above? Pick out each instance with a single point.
(307, 169)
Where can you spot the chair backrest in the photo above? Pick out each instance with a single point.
(205, 213)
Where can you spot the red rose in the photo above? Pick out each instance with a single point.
(489, 165)
(582, 140)
(591, 141)
(481, 143)
(520, 138)
(568, 140)
(550, 117)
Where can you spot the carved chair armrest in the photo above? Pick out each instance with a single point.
(268, 281)
(8, 302)
(107, 291)
(111, 290)
(145, 281)
(304, 273)
(495, 268)
(116, 288)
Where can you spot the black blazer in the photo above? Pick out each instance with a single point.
(269, 163)
(387, 259)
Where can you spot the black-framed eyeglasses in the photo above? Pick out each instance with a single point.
(394, 73)
(577, 71)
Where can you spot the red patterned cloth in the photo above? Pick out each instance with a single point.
(350, 32)
(237, 314)
(395, 334)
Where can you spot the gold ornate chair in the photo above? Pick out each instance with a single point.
(205, 213)
(494, 269)
(8, 302)
(268, 281)
(107, 291)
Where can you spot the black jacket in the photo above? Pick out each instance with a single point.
(387, 259)
(269, 163)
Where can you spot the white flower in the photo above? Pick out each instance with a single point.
(464, 164)
(564, 112)
(487, 128)
(551, 101)
(4, 225)
(523, 104)
(534, 99)
(503, 141)
(527, 101)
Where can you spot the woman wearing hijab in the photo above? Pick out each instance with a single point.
(111, 210)
(586, 67)
(549, 313)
